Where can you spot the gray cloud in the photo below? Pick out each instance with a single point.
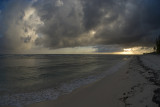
(10, 25)
(128, 23)
(71, 23)
(20, 23)
(108, 48)
(63, 24)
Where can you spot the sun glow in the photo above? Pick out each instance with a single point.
(135, 50)
(92, 32)
(127, 51)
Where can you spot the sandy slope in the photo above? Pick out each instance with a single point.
(125, 88)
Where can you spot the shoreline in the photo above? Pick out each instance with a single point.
(23, 99)
(127, 87)
(83, 96)
(135, 84)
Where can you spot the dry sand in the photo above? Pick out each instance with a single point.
(127, 87)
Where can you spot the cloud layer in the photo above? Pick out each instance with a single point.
(54, 24)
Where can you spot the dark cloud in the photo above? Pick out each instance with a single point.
(62, 23)
(135, 24)
(71, 23)
(96, 10)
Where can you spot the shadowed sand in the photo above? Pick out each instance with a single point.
(124, 88)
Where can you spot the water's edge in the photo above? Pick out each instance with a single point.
(22, 99)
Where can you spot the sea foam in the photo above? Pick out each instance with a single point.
(22, 99)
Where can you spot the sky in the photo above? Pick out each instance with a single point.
(78, 26)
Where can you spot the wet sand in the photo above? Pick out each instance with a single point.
(128, 87)
(135, 84)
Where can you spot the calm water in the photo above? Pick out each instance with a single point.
(31, 73)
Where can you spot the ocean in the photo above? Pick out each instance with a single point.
(27, 79)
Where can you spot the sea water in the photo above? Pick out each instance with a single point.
(27, 79)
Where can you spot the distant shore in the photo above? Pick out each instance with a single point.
(135, 84)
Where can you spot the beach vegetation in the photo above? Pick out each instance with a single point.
(157, 48)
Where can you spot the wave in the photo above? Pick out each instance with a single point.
(22, 99)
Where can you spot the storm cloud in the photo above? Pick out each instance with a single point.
(73, 23)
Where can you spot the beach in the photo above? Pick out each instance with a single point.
(80, 53)
(129, 87)
(134, 82)
(32, 79)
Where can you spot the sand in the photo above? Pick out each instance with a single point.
(128, 87)
(135, 84)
